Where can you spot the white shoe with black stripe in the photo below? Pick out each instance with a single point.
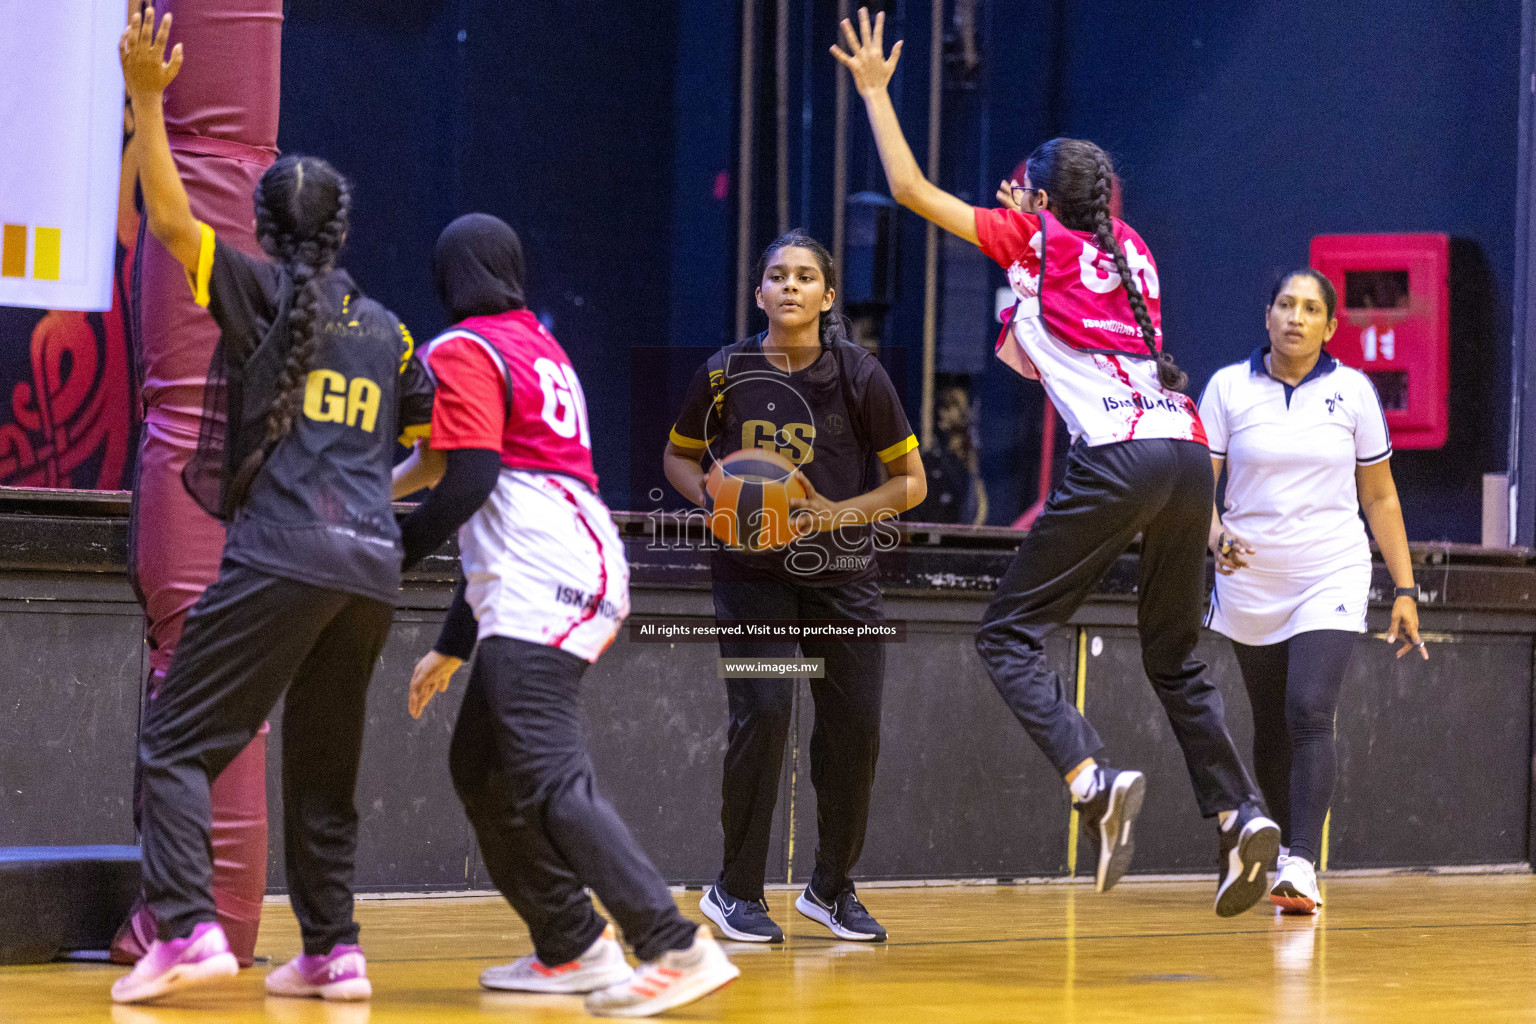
(1111, 814)
(1247, 849)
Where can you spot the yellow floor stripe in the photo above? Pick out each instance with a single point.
(1082, 689)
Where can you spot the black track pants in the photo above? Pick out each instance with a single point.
(1161, 489)
(845, 741)
(519, 763)
(251, 637)
(1294, 689)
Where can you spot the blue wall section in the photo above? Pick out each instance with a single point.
(559, 120)
(1242, 130)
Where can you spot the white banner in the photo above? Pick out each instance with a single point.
(61, 129)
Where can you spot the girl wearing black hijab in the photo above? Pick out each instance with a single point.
(546, 588)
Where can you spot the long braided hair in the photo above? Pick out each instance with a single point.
(302, 208)
(1079, 179)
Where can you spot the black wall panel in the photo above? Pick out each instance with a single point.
(961, 790)
(1171, 836)
(69, 712)
(1433, 756)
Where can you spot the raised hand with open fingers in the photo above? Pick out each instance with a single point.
(865, 57)
(146, 72)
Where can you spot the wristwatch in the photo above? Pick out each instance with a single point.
(1412, 592)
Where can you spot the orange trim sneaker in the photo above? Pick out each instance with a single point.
(602, 965)
(1295, 889)
(671, 980)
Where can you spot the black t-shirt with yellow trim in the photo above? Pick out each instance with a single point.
(806, 417)
(319, 511)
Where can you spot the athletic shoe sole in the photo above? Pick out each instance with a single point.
(1292, 900)
(1244, 881)
(576, 983)
(686, 990)
(182, 976)
(1116, 843)
(353, 990)
(823, 916)
(717, 917)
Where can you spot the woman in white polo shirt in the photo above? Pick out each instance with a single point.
(1306, 450)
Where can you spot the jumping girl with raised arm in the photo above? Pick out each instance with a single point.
(1086, 325)
(295, 456)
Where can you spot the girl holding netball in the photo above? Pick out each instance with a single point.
(546, 588)
(295, 457)
(1086, 325)
(1306, 451)
(803, 390)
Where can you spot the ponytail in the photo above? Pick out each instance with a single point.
(290, 228)
(1168, 373)
(1079, 179)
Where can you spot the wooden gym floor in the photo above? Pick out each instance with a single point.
(1401, 949)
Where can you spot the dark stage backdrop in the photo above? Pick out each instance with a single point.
(558, 118)
(607, 135)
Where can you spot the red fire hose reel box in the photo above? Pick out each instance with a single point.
(1395, 324)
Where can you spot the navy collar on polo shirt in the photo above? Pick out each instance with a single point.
(1325, 364)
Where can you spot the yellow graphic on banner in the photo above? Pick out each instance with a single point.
(45, 253)
(13, 254)
(46, 245)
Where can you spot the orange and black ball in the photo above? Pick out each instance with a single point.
(751, 490)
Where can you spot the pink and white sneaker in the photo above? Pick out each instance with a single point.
(340, 975)
(170, 966)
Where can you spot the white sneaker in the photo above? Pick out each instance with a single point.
(603, 964)
(1295, 888)
(676, 977)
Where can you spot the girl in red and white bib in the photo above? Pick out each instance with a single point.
(546, 585)
(1087, 326)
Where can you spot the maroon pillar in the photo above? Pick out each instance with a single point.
(221, 113)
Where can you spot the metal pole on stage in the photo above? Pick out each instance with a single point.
(931, 252)
(1522, 418)
(744, 166)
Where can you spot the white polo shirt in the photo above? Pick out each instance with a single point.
(1291, 455)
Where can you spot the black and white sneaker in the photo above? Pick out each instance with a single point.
(742, 920)
(844, 917)
(1110, 814)
(1247, 848)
